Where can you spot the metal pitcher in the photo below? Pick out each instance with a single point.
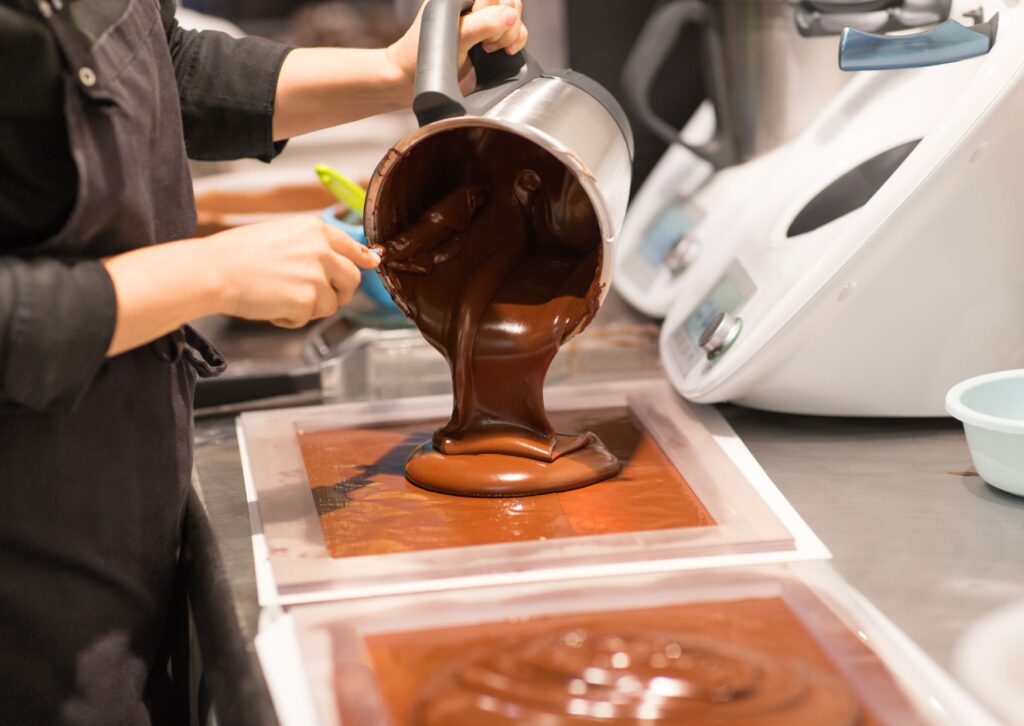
(565, 113)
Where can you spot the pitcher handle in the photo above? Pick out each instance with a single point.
(648, 55)
(437, 69)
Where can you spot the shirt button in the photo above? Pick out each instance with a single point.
(87, 76)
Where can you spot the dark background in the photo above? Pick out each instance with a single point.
(601, 33)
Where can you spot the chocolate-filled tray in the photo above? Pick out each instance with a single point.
(334, 516)
(771, 645)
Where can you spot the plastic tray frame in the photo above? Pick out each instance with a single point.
(754, 521)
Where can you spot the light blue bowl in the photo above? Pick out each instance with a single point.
(992, 410)
(371, 286)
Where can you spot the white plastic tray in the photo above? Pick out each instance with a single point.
(754, 522)
(305, 650)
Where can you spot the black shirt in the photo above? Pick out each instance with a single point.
(58, 315)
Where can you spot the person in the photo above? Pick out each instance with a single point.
(101, 101)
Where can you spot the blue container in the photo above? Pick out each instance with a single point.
(371, 286)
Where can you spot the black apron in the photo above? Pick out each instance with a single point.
(92, 501)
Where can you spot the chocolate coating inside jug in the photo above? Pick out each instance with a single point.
(580, 676)
(491, 246)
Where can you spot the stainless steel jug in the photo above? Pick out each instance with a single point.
(565, 113)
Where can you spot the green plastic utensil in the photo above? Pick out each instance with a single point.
(347, 191)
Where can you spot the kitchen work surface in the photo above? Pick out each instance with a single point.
(908, 522)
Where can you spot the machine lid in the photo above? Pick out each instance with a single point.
(831, 17)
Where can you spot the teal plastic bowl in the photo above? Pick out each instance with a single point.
(991, 408)
(371, 285)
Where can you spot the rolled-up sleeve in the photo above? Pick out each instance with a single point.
(57, 318)
(227, 88)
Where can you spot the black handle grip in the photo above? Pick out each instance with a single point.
(494, 68)
(437, 68)
(649, 53)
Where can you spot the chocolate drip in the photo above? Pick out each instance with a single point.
(490, 245)
(610, 677)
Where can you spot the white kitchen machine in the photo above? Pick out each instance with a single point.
(764, 83)
(881, 258)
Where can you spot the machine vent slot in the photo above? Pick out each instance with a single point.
(851, 191)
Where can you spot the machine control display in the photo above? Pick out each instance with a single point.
(672, 226)
(730, 293)
(725, 298)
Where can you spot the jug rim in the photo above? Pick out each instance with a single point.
(566, 156)
(549, 143)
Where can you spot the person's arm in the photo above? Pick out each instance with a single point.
(56, 320)
(243, 97)
(287, 272)
(323, 87)
(56, 315)
(60, 319)
(226, 88)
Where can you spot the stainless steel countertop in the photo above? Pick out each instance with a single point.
(909, 523)
(931, 546)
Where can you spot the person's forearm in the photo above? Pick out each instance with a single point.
(159, 289)
(323, 87)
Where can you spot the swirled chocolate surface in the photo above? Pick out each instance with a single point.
(626, 677)
(491, 246)
(368, 507)
(756, 661)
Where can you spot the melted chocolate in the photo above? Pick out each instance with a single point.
(367, 506)
(490, 245)
(622, 677)
(752, 661)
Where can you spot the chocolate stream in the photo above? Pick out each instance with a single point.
(490, 245)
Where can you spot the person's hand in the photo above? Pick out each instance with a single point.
(498, 24)
(288, 272)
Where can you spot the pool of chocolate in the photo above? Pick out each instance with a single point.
(743, 661)
(492, 247)
(367, 506)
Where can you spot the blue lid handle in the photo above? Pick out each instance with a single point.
(948, 43)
